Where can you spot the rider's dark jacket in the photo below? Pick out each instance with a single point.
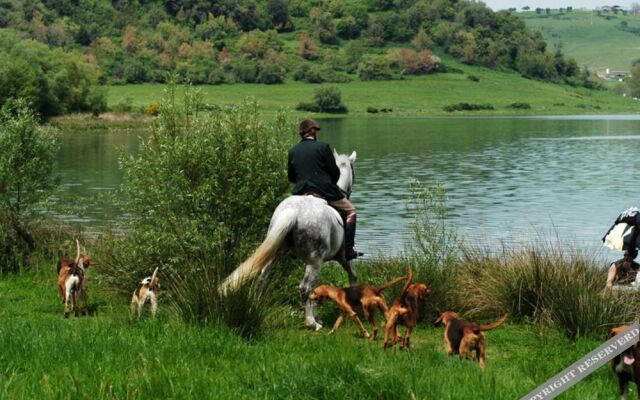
(312, 167)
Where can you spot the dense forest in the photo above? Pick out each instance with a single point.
(266, 41)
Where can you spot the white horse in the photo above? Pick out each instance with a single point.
(312, 230)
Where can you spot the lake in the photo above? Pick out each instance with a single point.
(509, 180)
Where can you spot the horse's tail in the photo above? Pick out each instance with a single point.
(264, 254)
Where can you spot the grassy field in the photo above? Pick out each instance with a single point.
(414, 96)
(592, 40)
(105, 355)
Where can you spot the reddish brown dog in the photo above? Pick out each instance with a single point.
(71, 280)
(405, 307)
(362, 296)
(466, 338)
(626, 365)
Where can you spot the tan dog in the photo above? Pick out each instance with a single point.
(405, 307)
(626, 365)
(71, 280)
(147, 290)
(466, 338)
(361, 296)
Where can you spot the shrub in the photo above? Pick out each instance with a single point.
(520, 106)
(201, 190)
(326, 99)
(124, 105)
(372, 110)
(306, 48)
(374, 70)
(473, 78)
(27, 159)
(314, 73)
(152, 109)
(412, 62)
(467, 107)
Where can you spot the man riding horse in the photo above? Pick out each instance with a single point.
(312, 167)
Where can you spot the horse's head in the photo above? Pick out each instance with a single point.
(347, 171)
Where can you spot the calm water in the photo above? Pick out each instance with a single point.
(509, 180)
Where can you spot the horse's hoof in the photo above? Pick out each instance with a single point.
(313, 325)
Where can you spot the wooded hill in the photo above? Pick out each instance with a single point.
(266, 41)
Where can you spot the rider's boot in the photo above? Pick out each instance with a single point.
(350, 235)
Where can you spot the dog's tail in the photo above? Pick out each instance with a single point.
(495, 324)
(74, 268)
(406, 285)
(263, 255)
(390, 283)
(153, 277)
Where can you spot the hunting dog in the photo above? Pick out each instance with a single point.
(465, 338)
(366, 297)
(71, 280)
(626, 365)
(405, 307)
(147, 290)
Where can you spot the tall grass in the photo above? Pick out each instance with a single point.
(543, 283)
(196, 299)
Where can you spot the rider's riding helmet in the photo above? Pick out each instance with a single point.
(306, 125)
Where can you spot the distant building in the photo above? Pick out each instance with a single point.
(614, 75)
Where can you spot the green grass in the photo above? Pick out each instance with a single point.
(105, 355)
(592, 40)
(414, 96)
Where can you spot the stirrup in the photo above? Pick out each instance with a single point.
(351, 255)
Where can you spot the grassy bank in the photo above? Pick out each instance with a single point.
(415, 96)
(105, 355)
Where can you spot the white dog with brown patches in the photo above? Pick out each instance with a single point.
(147, 290)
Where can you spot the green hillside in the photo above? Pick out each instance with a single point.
(598, 42)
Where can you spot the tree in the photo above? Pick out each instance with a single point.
(27, 159)
(278, 10)
(306, 47)
(633, 82)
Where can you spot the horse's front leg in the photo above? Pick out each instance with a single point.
(309, 282)
(353, 278)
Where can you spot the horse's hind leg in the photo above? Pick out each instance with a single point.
(309, 282)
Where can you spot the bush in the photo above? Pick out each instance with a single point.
(27, 159)
(200, 192)
(473, 78)
(374, 70)
(372, 110)
(318, 74)
(326, 99)
(520, 106)
(467, 107)
(124, 105)
(152, 109)
(412, 62)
